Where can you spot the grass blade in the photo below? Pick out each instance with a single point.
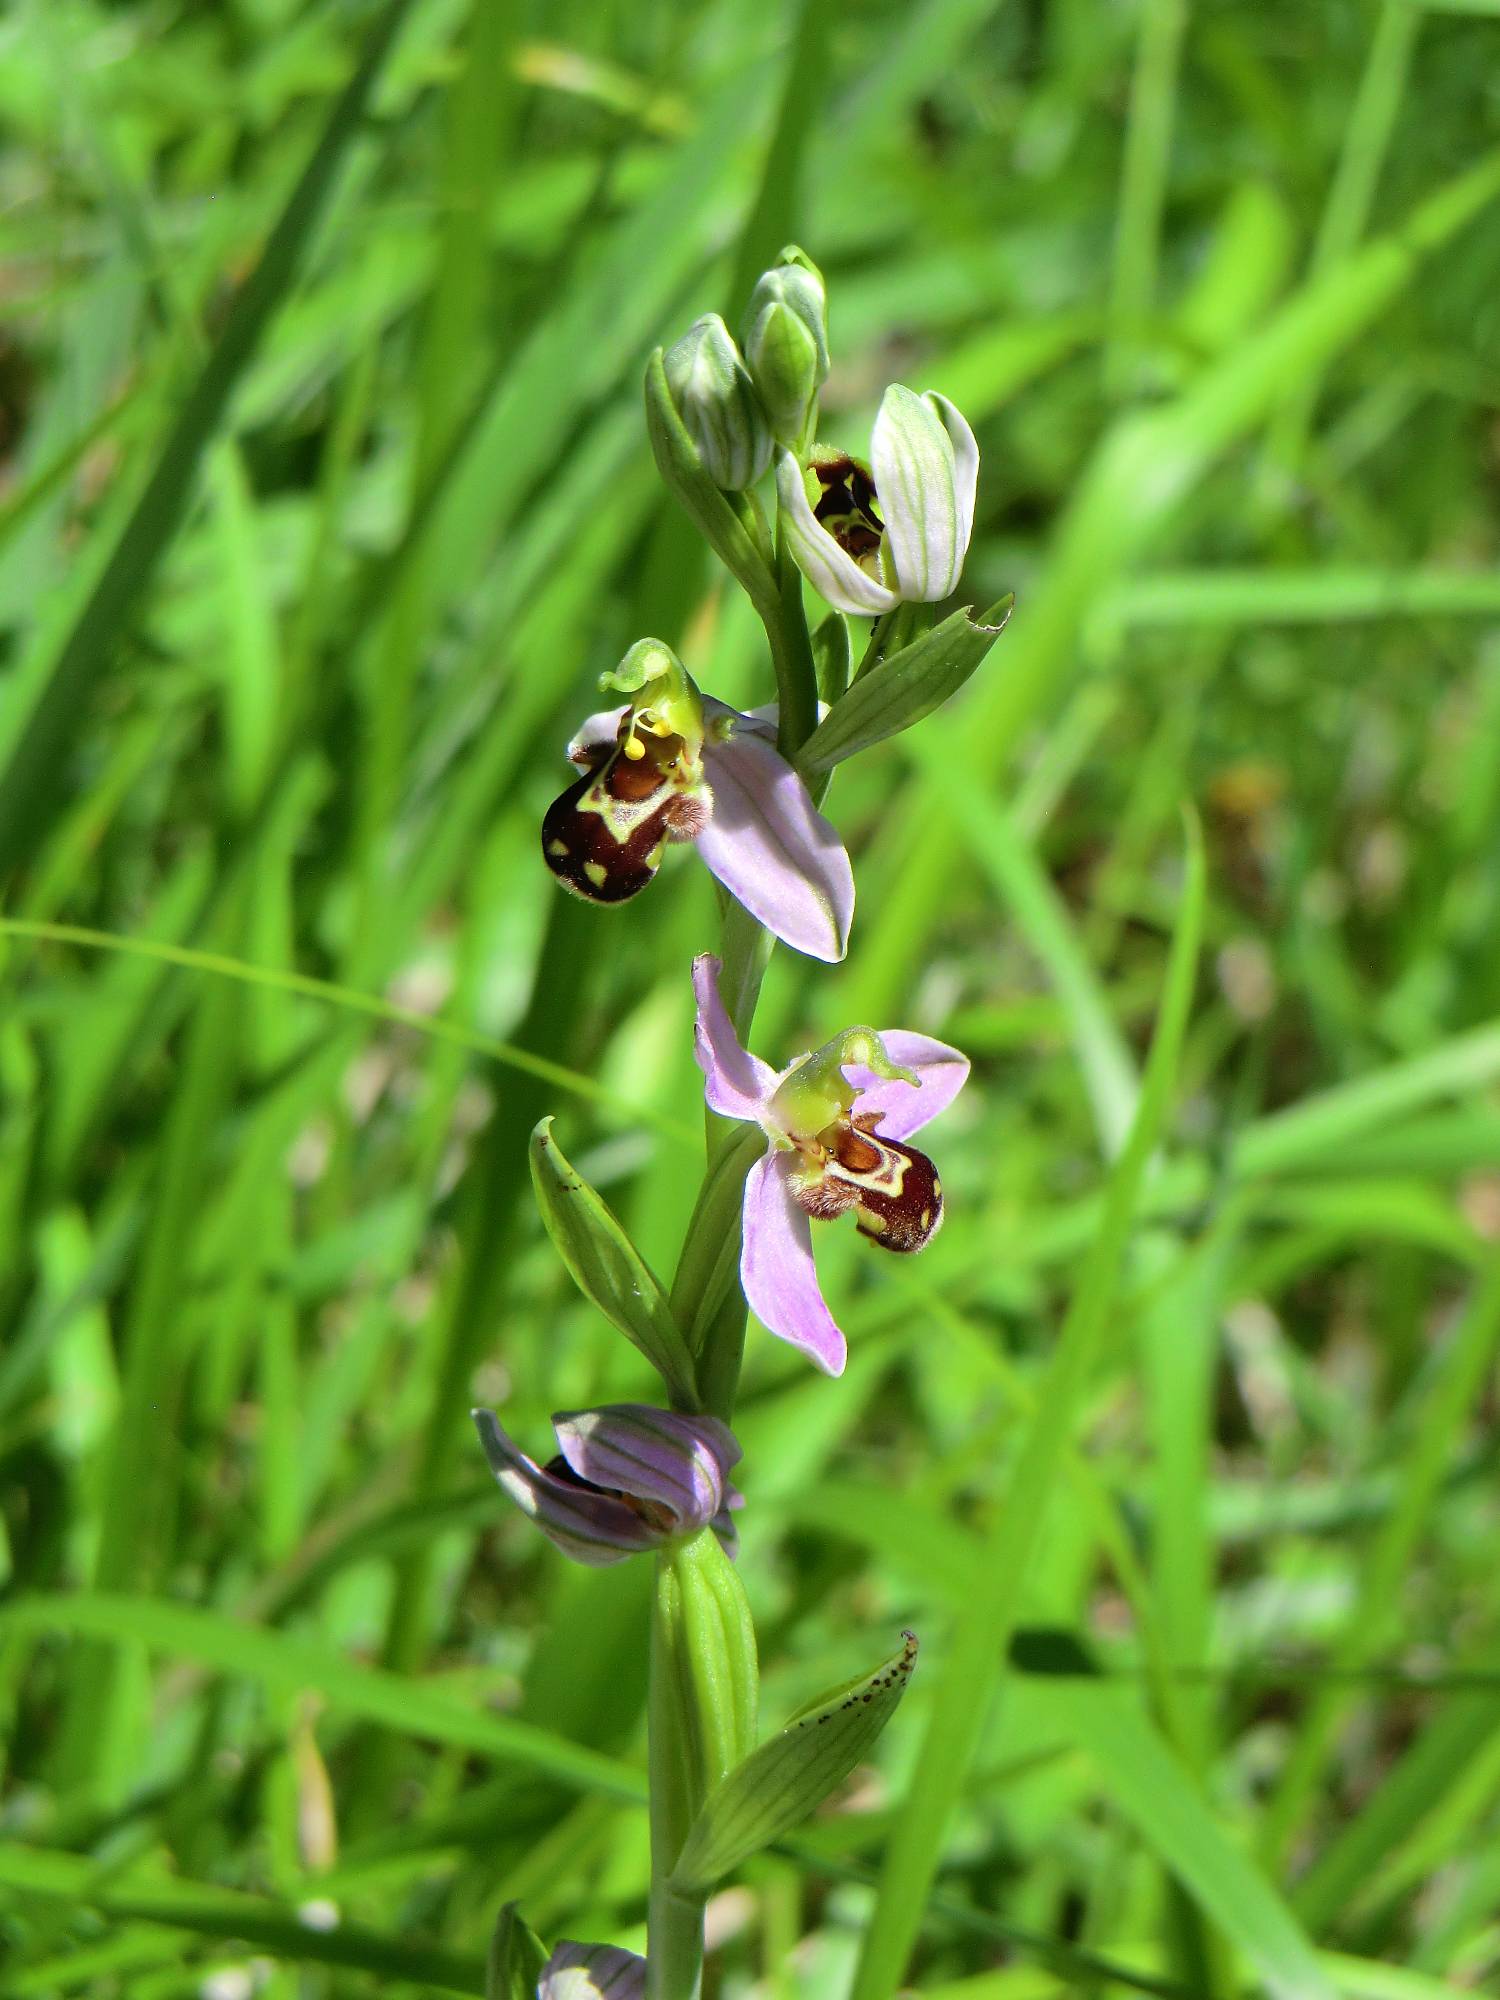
(979, 1642)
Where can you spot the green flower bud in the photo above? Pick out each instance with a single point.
(711, 387)
(786, 344)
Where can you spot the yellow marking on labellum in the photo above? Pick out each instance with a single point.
(926, 1222)
(557, 847)
(597, 873)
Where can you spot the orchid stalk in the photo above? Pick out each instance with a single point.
(790, 1150)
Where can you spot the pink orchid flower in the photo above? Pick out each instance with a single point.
(836, 1125)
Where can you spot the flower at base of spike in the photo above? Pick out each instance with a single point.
(870, 537)
(837, 1124)
(716, 399)
(626, 1478)
(675, 765)
(592, 1972)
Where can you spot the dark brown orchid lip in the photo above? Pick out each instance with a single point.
(849, 508)
(893, 1188)
(603, 837)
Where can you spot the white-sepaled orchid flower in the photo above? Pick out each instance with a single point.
(870, 537)
(676, 765)
(836, 1125)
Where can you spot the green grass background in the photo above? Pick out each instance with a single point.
(325, 498)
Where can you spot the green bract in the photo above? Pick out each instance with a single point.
(716, 400)
(516, 1959)
(606, 1267)
(904, 687)
(789, 1777)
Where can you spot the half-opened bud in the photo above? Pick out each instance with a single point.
(627, 1478)
(786, 343)
(592, 1972)
(716, 399)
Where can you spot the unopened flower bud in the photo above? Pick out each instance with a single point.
(786, 343)
(716, 400)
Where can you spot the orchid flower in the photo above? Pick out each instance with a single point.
(626, 1478)
(836, 1125)
(870, 537)
(592, 1972)
(676, 765)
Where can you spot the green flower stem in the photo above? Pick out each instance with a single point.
(791, 655)
(710, 1308)
(674, 1923)
(710, 1250)
(702, 1711)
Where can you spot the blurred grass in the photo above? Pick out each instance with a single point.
(313, 535)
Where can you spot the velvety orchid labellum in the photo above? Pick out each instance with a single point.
(592, 1972)
(870, 537)
(675, 765)
(626, 1478)
(837, 1124)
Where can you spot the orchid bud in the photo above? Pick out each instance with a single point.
(715, 397)
(786, 343)
(592, 1972)
(626, 1478)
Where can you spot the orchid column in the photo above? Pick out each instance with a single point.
(824, 1136)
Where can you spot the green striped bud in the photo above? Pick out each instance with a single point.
(711, 387)
(786, 344)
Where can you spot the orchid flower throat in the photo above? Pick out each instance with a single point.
(848, 506)
(844, 1163)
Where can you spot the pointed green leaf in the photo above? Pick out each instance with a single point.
(606, 1267)
(905, 687)
(785, 1779)
(516, 1959)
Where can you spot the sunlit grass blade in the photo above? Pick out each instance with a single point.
(978, 1642)
(199, 1910)
(1151, 1789)
(329, 991)
(28, 775)
(274, 1660)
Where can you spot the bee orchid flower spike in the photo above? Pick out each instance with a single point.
(836, 1125)
(870, 537)
(676, 765)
